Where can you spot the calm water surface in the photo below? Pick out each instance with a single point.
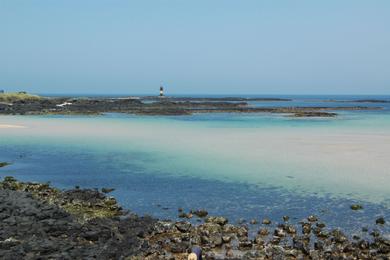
(239, 166)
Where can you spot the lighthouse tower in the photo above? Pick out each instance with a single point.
(161, 91)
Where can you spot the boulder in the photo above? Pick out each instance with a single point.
(217, 220)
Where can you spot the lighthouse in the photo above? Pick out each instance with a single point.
(161, 91)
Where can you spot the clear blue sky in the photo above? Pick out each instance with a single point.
(198, 46)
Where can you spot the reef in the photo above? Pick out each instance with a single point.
(159, 106)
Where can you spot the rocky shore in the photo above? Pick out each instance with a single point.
(42, 222)
(159, 106)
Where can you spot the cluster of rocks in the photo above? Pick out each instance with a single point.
(220, 240)
(159, 106)
(41, 222)
(34, 226)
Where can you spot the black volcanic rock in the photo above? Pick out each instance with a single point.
(41, 222)
(170, 106)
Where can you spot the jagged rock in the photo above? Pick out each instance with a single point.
(380, 221)
(215, 240)
(290, 229)
(375, 233)
(180, 247)
(209, 228)
(323, 234)
(226, 239)
(338, 236)
(242, 233)
(229, 253)
(183, 226)
(245, 244)
(266, 221)
(229, 229)
(306, 228)
(263, 232)
(217, 220)
(259, 240)
(279, 232)
(312, 218)
(320, 225)
(200, 213)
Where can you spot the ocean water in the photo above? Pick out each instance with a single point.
(237, 165)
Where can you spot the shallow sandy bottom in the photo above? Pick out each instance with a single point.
(11, 126)
(343, 162)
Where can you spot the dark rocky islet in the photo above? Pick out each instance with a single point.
(3, 164)
(42, 222)
(360, 101)
(158, 106)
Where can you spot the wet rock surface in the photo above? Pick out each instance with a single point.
(41, 222)
(35, 229)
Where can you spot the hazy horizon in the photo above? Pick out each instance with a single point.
(194, 47)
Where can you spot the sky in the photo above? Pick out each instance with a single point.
(195, 46)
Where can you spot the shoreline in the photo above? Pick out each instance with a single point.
(84, 220)
(170, 106)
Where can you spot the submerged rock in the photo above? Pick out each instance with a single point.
(356, 207)
(312, 218)
(200, 213)
(217, 220)
(107, 190)
(266, 221)
(380, 221)
(185, 215)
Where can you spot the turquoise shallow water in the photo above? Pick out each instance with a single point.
(240, 166)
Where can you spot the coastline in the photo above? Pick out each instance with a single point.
(82, 223)
(169, 106)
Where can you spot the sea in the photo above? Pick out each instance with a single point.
(240, 166)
